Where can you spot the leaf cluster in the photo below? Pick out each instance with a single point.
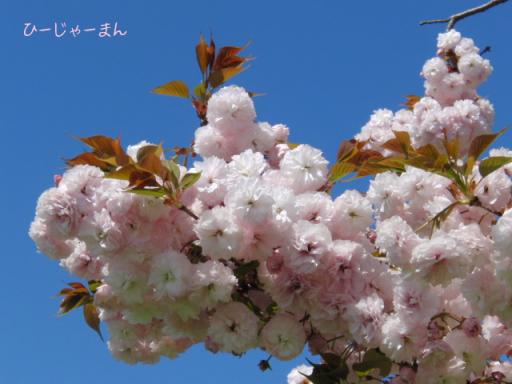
(78, 295)
(149, 175)
(217, 66)
(334, 369)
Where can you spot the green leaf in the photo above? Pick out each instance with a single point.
(430, 162)
(228, 73)
(174, 88)
(107, 149)
(411, 101)
(401, 143)
(220, 76)
(174, 170)
(482, 142)
(73, 301)
(469, 166)
(92, 318)
(202, 54)
(255, 94)
(216, 79)
(438, 219)
(157, 192)
(94, 285)
(292, 145)
(427, 156)
(246, 268)
(403, 137)
(100, 143)
(200, 91)
(65, 291)
(78, 287)
(340, 170)
(346, 150)
(452, 148)
(373, 359)
(153, 165)
(122, 173)
(142, 179)
(190, 179)
(333, 371)
(454, 175)
(272, 309)
(228, 58)
(331, 359)
(89, 158)
(491, 164)
(150, 149)
(379, 165)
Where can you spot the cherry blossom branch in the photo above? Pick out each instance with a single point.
(477, 203)
(462, 15)
(188, 212)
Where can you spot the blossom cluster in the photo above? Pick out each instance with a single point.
(357, 272)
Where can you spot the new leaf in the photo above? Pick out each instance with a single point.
(174, 88)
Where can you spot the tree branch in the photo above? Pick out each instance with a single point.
(462, 15)
(188, 212)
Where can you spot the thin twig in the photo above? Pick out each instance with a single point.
(462, 15)
(188, 212)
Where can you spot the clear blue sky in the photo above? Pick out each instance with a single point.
(324, 66)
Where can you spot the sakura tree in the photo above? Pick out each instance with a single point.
(247, 248)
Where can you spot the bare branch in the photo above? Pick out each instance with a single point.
(462, 15)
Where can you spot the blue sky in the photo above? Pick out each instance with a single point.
(323, 65)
